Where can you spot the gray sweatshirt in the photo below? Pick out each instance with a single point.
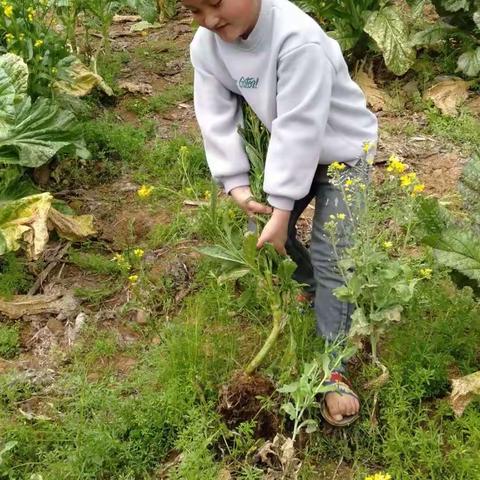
(295, 78)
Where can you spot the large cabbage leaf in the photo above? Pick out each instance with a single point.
(31, 134)
(390, 33)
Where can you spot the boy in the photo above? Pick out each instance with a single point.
(280, 61)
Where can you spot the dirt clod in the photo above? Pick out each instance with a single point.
(240, 401)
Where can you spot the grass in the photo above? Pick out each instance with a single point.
(14, 276)
(9, 341)
(161, 102)
(463, 130)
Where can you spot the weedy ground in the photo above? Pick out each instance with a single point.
(136, 395)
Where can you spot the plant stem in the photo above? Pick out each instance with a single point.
(272, 338)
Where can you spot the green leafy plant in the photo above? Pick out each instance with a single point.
(31, 133)
(355, 23)
(27, 30)
(377, 283)
(457, 32)
(456, 241)
(271, 273)
(305, 391)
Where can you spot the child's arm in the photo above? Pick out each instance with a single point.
(304, 93)
(219, 114)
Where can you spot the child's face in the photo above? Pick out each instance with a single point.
(229, 19)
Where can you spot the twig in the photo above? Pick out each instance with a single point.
(44, 274)
(336, 470)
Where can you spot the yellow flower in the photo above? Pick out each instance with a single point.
(133, 278)
(349, 182)
(8, 10)
(9, 37)
(183, 150)
(420, 187)
(138, 252)
(407, 179)
(387, 245)
(367, 146)
(395, 165)
(341, 216)
(207, 195)
(379, 476)
(231, 213)
(145, 191)
(38, 43)
(21, 36)
(337, 167)
(54, 70)
(426, 272)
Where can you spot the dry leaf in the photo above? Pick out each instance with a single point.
(126, 18)
(280, 458)
(72, 228)
(447, 95)
(376, 98)
(224, 475)
(142, 88)
(464, 390)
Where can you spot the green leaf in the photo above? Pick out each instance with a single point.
(311, 425)
(476, 18)
(290, 410)
(360, 326)
(455, 5)
(233, 275)
(470, 188)
(469, 63)
(458, 249)
(390, 33)
(39, 132)
(222, 254)
(250, 248)
(13, 85)
(147, 9)
(432, 35)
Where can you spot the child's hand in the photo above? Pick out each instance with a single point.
(244, 199)
(276, 231)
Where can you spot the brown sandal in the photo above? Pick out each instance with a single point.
(343, 387)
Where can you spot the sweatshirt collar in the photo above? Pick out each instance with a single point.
(260, 29)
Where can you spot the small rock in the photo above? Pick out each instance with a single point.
(142, 317)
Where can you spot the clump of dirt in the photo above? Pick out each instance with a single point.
(241, 401)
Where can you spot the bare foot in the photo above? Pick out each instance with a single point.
(340, 406)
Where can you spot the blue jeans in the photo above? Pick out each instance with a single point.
(317, 267)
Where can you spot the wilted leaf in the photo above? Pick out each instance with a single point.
(390, 33)
(24, 222)
(72, 228)
(280, 458)
(376, 98)
(464, 390)
(448, 94)
(78, 80)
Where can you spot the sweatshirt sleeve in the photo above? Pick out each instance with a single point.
(304, 88)
(219, 114)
